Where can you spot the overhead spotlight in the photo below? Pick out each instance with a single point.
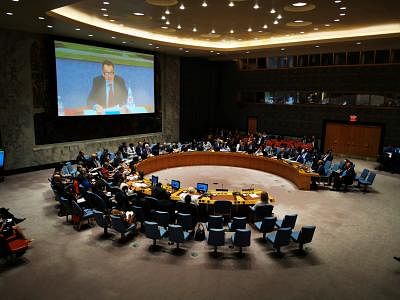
(327, 25)
(138, 14)
(316, 46)
(77, 29)
(212, 51)
(164, 27)
(249, 29)
(272, 11)
(298, 21)
(106, 3)
(9, 13)
(338, 1)
(231, 4)
(90, 35)
(41, 18)
(204, 4)
(163, 17)
(179, 26)
(282, 49)
(231, 31)
(342, 14)
(343, 8)
(299, 4)
(256, 6)
(358, 43)
(105, 15)
(194, 29)
(265, 26)
(336, 20)
(167, 12)
(167, 22)
(276, 22)
(279, 16)
(302, 32)
(213, 31)
(182, 6)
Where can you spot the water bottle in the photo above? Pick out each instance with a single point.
(60, 106)
(129, 102)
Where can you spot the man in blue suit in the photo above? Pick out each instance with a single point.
(108, 90)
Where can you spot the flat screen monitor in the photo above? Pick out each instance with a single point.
(154, 180)
(202, 187)
(175, 184)
(95, 80)
(1, 158)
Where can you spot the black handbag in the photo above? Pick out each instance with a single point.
(200, 233)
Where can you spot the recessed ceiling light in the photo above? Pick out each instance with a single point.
(256, 6)
(150, 44)
(167, 12)
(239, 39)
(106, 3)
(112, 20)
(231, 4)
(9, 13)
(336, 20)
(186, 51)
(213, 30)
(276, 22)
(299, 4)
(105, 15)
(316, 28)
(298, 21)
(316, 46)
(260, 31)
(218, 53)
(212, 51)
(103, 9)
(113, 37)
(167, 22)
(342, 14)
(180, 49)
(157, 47)
(123, 42)
(358, 43)
(302, 32)
(49, 26)
(90, 35)
(41, 18)
(282, 49)
(138, 14)
(182, 6)
(327, 25)
(249, 29)
(265, 26)
(194, 29)
(272, 11)
(164, 27)
(15, 0)
(247, 52)
(231, 31)
(77, 29)
(163, 17)
(338, 1)
(343, 8)
(179, 26)
(279, 16)
(204, 4)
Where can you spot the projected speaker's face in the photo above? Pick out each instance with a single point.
(108, 72)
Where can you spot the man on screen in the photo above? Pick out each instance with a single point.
(108, 90)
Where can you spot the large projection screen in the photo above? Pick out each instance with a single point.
(95, 80)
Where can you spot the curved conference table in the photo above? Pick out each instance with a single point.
(290, 170)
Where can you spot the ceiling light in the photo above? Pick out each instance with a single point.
(231, 31)
(213, 30)
(298, 21)
(343, 8)
(247, 52)
(180, 49)
(316, 28)
(77, 29)
(112, 20)
(41, 18)
(260, 31)
(327, 25)
(231, 4)
(256, 6)
(90, 35)
(302, 32)
(272, 11)
(204, 4)
(164, 27)
(15, 0)
(179, 26)
(342, 14)
(163, 17)
(49, 26)
(138, 14)
(218, 53)
(113, 37)
(316, 46)
(150, 44)
(105, 15)
(338, 1)
(265, 26)
(276, 22)
(194, 29)
(299, 4)
(249, 29)
(103, 9)
(282, 49)
(157, 47)
(358, 43)
(212, 51)
(106, 3)
(167, 22)
(167, 12)
(186, 51)
(182, 6)
(9, 13)
(336, 20)
(279, 16)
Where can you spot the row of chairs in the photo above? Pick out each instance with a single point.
(365, 179)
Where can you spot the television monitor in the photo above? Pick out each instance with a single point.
(175, 184)
(202, 187)
(94, 80)
(154, 180)
(1, 158)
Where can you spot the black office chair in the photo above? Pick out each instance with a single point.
(224, 208)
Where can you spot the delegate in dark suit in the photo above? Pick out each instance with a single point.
(99, 93)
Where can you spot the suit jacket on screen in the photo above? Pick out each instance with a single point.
(98, 93)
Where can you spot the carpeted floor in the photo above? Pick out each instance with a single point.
(351, 256)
